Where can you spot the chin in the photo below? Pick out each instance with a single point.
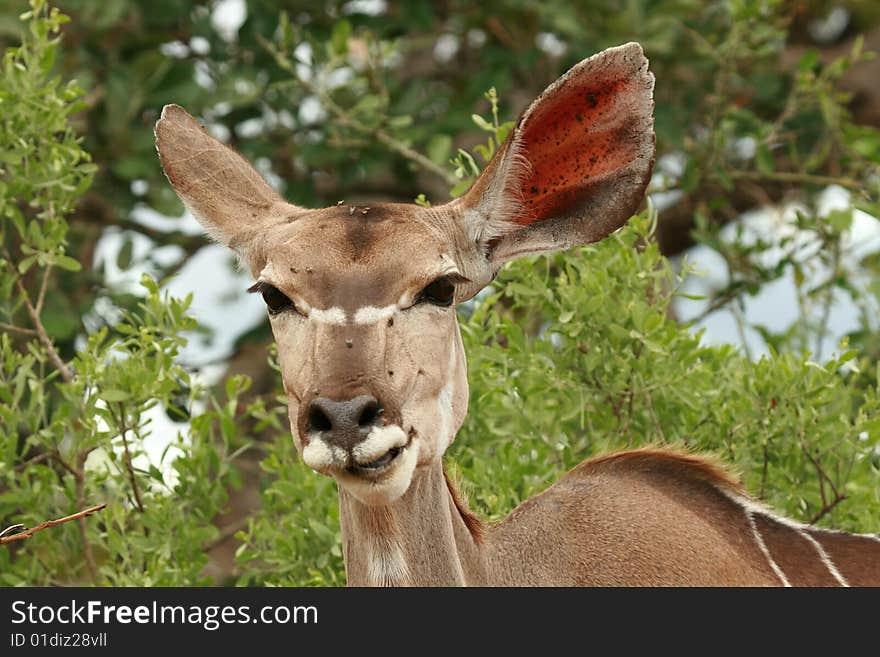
(385, 484)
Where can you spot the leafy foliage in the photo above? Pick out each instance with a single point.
(569, 356)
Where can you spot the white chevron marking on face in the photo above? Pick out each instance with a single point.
(372, 314)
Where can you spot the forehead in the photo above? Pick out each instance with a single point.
(352, 256)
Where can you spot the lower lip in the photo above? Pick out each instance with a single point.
(382, 464)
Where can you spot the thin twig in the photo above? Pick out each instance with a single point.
(653, 415)
(827, 508)
(17, 329)
(80, 478)
(41, 296)
(227, 532)
(797, 177)
(123, 429)
(32, 461)
(27, 533)
(44, 338)
(764, 471)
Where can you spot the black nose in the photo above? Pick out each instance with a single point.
(344, 423)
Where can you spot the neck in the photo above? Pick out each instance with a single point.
(421, 539)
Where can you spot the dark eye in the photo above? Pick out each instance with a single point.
(276, 300)
(441, 292)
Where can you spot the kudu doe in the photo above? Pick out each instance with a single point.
(362, 305)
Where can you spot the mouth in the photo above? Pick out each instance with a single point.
(381, 462)
(379, 466)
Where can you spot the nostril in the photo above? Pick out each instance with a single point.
(318, 420)
(370, 414)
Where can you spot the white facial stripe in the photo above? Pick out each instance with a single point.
(318, 455)
(444, 402)
(333, 316)
(372, 314)
(378, 442)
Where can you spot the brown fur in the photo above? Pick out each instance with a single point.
(470, 519)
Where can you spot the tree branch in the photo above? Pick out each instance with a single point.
(16, 329)
(123, 429)
(43, 337)
(6, 537)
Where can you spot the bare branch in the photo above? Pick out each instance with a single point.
(798, 177)
(123, 429)
(827, 508)
(40, 330)
(41, 296)
(5, 536)
(16, 329)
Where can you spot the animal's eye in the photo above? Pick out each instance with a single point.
(440, 292)
(276, 300)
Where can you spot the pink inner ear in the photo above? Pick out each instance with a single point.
(574, 137)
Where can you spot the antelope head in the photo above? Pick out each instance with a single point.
(362, 299)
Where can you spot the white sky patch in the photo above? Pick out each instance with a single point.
(303, 53)
(174, 49)
(829, 29)
(338, 77)
(550, 44)
(775, 306)
(242, 87)
(139, 187)
(302, 56)
(228, 17)
(220, 303)
(200, 45)
(203, 75)
(219, 132)
(476, 37)
(264, 166)
(446, 48)
(746, 147)
(108, 247)
(311, 111)
(149, 218)
(250, 128)
(368, 7)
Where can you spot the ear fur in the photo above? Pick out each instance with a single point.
(231, 200)
(575, 167)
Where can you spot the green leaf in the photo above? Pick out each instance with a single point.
(438, 148)
(67, 263)
(114, 395)
(339, 37)
(482, 123)
(764, 159)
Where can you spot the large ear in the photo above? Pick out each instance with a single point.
(575, 167)
(224, 192)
